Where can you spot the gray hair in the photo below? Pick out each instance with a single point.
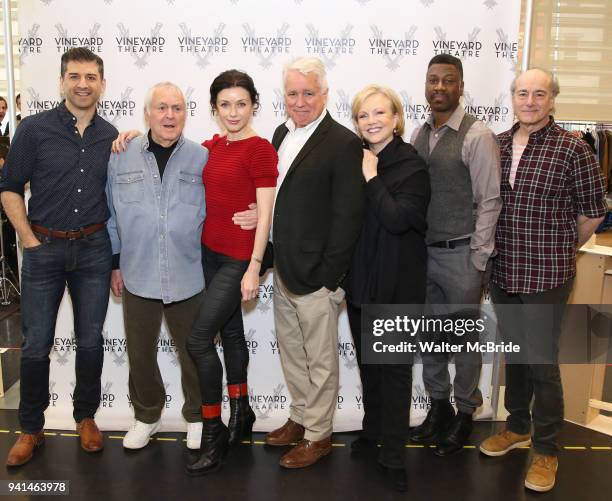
(307, 65)
(148, 100)
(554, 82)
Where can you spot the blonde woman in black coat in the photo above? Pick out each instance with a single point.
(388, 267)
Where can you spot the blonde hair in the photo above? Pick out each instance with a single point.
(390, 94)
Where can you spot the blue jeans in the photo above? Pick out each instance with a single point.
(85, 266)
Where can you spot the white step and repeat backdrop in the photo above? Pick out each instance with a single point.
(189, 42)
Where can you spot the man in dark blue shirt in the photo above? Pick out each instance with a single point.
(63, 153)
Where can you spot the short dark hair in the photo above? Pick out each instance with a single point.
(447, 59)
(81, 54)
(4, 100)
(233, 78)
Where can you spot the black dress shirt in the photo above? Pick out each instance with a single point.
(66, 172)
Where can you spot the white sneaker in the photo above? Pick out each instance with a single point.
(194, 435)
(139, 435)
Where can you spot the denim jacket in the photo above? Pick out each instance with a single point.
(155, 225)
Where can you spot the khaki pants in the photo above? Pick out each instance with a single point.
(307, 333)
(142, 318)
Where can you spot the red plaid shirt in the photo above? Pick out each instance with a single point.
(557, 179)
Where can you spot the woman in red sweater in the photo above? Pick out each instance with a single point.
(241, 169)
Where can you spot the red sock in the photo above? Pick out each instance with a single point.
(211, 411)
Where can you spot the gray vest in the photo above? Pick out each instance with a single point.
(450, 212)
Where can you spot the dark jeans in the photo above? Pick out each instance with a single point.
(387, 391)
(220, 312)
(538, 381)
(85, 266)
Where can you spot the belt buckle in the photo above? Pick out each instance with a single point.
(75, 235)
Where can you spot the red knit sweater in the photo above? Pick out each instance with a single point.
(233, 172)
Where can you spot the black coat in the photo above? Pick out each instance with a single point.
(318, 209)
(389, 264)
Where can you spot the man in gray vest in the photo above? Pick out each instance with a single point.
(463, 159)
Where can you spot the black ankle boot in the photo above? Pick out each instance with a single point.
(213, 447)
(241, 420)
(456, 435)
(438, 418)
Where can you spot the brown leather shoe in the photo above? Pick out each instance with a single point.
(289, 433)
(305, 453)
(23, 450)
(91, 438)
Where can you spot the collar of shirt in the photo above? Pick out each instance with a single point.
(538, 134)
(453, 122)
(67, 118)
(144, 142)
(308, 128)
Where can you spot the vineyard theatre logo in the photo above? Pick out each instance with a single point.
(165, 344)
(140, 46)
(53, 396)
(329, 48)
(427, 3)
(63, 347)
(342, 108)
(504, 49)
(266, 46)
(463, 49)
(392, 50)
(490, 3)
(251, 343)
(114, 110)
(359, 397)
(202, 46)
(192, 105)
(36, 104)
(107, 399)
(348, 354)
(414, 113)
(339, 399)
(265, 294)
(490, 114)
(420, 399)
(117, 347)
(168, 397)
(92, 41)
(278, 104)
(264, 403)
(30, 44)
(274, 347)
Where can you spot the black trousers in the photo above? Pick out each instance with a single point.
(387, 391)
(220, 313)
(532, 379)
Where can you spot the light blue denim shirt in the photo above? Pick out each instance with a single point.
(155, 225)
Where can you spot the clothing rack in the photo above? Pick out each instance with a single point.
(584, 125)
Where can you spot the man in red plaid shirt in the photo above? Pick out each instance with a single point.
(553, 200)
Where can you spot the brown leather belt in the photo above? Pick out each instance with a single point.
(69, 235)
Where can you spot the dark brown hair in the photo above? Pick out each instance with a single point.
(81, 54)
(229, 79)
